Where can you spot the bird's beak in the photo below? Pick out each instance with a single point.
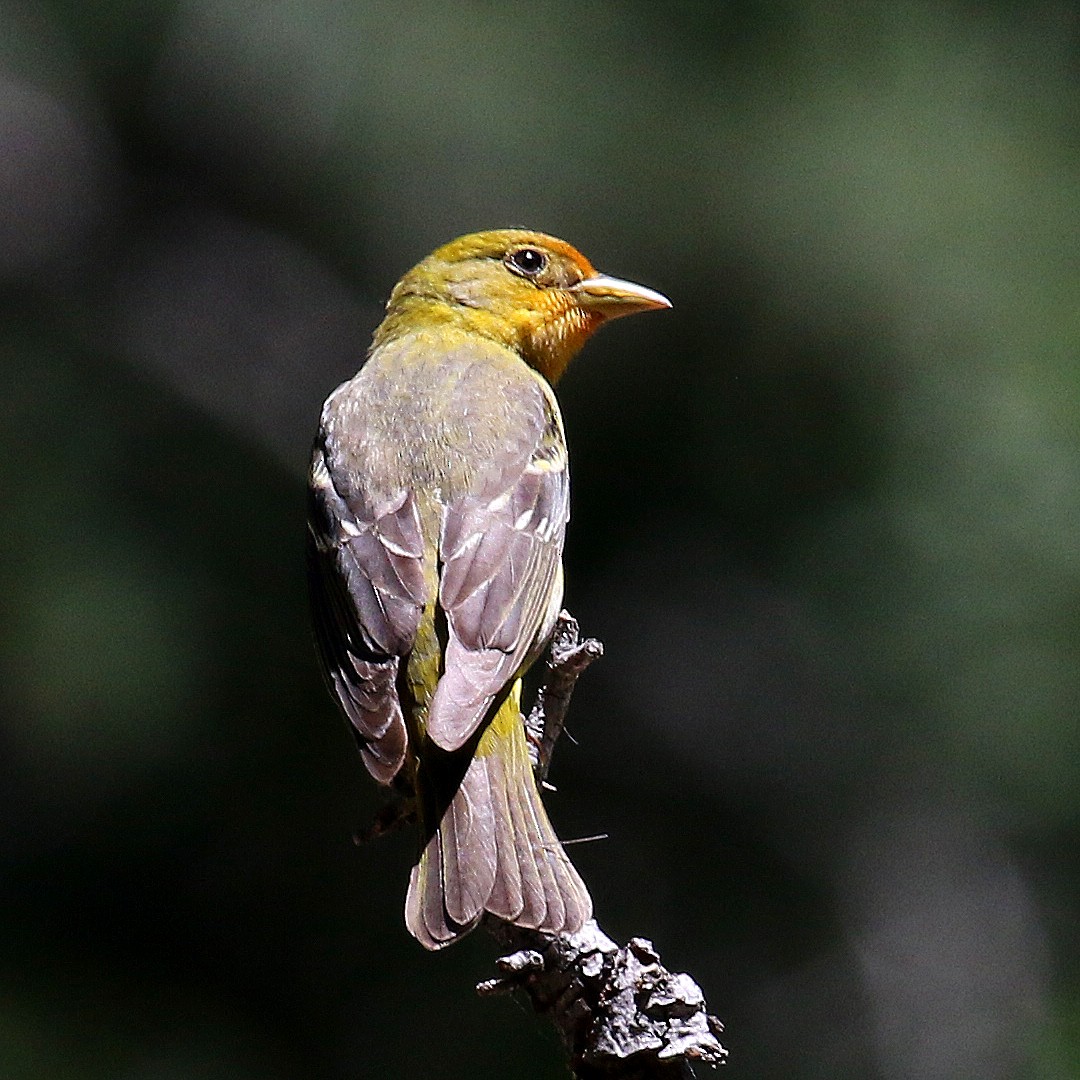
(612, 297)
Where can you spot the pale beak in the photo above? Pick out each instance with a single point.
(612, 297)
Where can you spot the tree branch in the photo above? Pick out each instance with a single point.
(621, 1014)
(567, 657)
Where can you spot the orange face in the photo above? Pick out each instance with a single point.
(530, 291)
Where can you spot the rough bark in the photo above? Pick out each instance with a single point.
(620, 1012)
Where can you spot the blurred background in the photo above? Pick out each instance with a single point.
(826, 521)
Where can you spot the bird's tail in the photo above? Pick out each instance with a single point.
(494, 848)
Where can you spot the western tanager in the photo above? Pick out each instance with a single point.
(438, 502)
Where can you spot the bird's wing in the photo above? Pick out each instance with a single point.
(501, 582)
(366, 578)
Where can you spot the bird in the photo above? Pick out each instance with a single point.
(438, 504)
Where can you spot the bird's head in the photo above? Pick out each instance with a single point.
(529, 291)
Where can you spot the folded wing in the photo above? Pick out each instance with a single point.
(501, 582)
(365, 574)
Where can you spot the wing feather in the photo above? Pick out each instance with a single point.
(501, 584)
(365, 575)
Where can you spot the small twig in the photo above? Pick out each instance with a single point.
(587, 839)
(568, 656)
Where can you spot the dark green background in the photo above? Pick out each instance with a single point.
(826, 519)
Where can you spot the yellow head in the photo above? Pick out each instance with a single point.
(526, 290)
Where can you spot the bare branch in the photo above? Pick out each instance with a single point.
(568, 656)
(621, 1014)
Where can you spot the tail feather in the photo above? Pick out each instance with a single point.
(561, 902)
(512, 884)
(425, 915)
(536, 843)
(467, 834)
(495, 850)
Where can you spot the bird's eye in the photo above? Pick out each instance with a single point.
(527, 261)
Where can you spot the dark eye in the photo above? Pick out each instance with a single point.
(527, 261)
